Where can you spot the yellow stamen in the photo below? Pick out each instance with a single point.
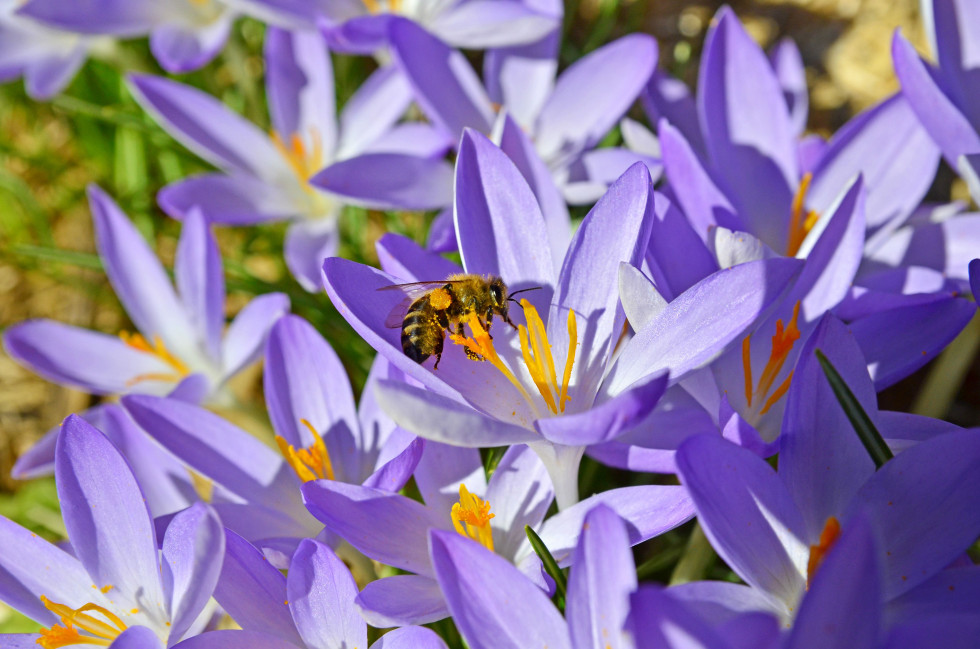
(73, 620)
(566, 376)
(471, 518)
(818, 552)
(800, 226)
(372, 6)
(782, 345)
(482, 344)
(312, 463)
(158, 349)
(304, 163)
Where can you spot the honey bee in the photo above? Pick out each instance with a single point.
(434, 308)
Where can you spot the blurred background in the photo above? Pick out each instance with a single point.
(94, 132)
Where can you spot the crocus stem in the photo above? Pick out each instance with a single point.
(948, 372)
(562, 463)
(697, 558)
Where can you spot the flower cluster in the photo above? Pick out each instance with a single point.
(715, 327)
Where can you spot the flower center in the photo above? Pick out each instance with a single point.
(800, 224)
(818, 552)
(158, 349)
(782, 344)
(304, 163)
(312, 463)
(471, 518)
(375, 7)
(76, 620)
(536, 352)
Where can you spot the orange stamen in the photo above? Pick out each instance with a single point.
(471, 518)
(800, 226)
(102, 634)
(782, 344)
(312, 463)
(158, 349)
(304, 163)
(818, 552)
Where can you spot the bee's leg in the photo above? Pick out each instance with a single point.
(438, 352)
(489, 322)
(507, 319)
(470, 354)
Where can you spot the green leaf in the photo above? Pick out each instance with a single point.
(550, 565)
(863, 426)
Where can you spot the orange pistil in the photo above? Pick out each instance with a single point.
(471, 518)
(800, 225)
(158, 349)
(782, 344)
(311, 463)
(304, 163)
(818, 552)
(76, 620)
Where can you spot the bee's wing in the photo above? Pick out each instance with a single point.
(412, 291)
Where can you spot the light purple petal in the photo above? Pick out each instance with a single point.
(668, 98)
(253, 592)
(353, 512)
(394, 473)
(641, 300)
(237, 199)
(677, 257)
(417, 139)
(373, 110)
(389, 181)
(921, 507)
(107, 518)
(228, 639)
(413, 637)
(952, 591)
(697, 326)
(482, 589)
(124, 18)
(602, 578)
(747, 514)
(480, 24)
(446, 87)
(791, 75)
(519, 493)
(201, 282)
(403, 258)
(955, 44)
(521, 78)
(180, 49)
(45, 79)
(401, 600)
(442, 469)
(658, 621)
(193, 541)
(592, 94)
(719, 602)
(308, 243)
(136, 637)
(246, 335)
(321, 594)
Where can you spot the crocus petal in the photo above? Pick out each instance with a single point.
(307, 244)
(975, 279)
(107, 518)
(697, 193)
(138, 278)
(483, 24)
(194, 539)
(747, 127)
(236, 198)
(412, 138)
(414, 637)
(822, 461)
(45, 79)
(920, 503)
(359, 513)
(228, 639)
(401, 257)
(300, 87)
(843, 603)
(373, 110)
(246, 334)
(88, 360)
(955, 38)
(592, 94)
(606, 421)
(446, 87)
(939, 115)
(481, 589)
(877, 144)
(677, 257)
(115, 17)
(394, 473)
(616, 230)
(389, 181)
(441, 419)
(208, 128)
(695, 327)
(658, 621)
(253, 592)
(442, 469)
(136, 637)
(519, 493)
(603, 576)
(747, 514)
(402, 599)
(201, 281)
(895, 352)
(668, 98)
(788, 66)
(321, 594)
(719, 602)
(641, 300)
(521, 78)
(952, 591)
(181, 49)
(944, 631)
(490, 191)
(305, 380)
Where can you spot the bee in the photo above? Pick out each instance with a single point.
(436, 307)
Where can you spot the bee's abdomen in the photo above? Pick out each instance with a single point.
(416, 331)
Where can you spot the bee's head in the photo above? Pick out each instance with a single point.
(498, 293)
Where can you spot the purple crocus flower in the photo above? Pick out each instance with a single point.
(320, 433)
(184, 34)
(115, 580)
(604, 391)
(312, 607)
(495, 606)
(563, 119)
(179, 347)
(312, 164)
(773, 528)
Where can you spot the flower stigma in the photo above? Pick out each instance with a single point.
(74, 620)
(471, 518)
(311, 463)
(800, 225)
(818, 552)
(158, 349)
(782, 343)
(304, 163)
(536, 352)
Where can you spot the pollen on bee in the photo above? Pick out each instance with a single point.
(440, 299)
